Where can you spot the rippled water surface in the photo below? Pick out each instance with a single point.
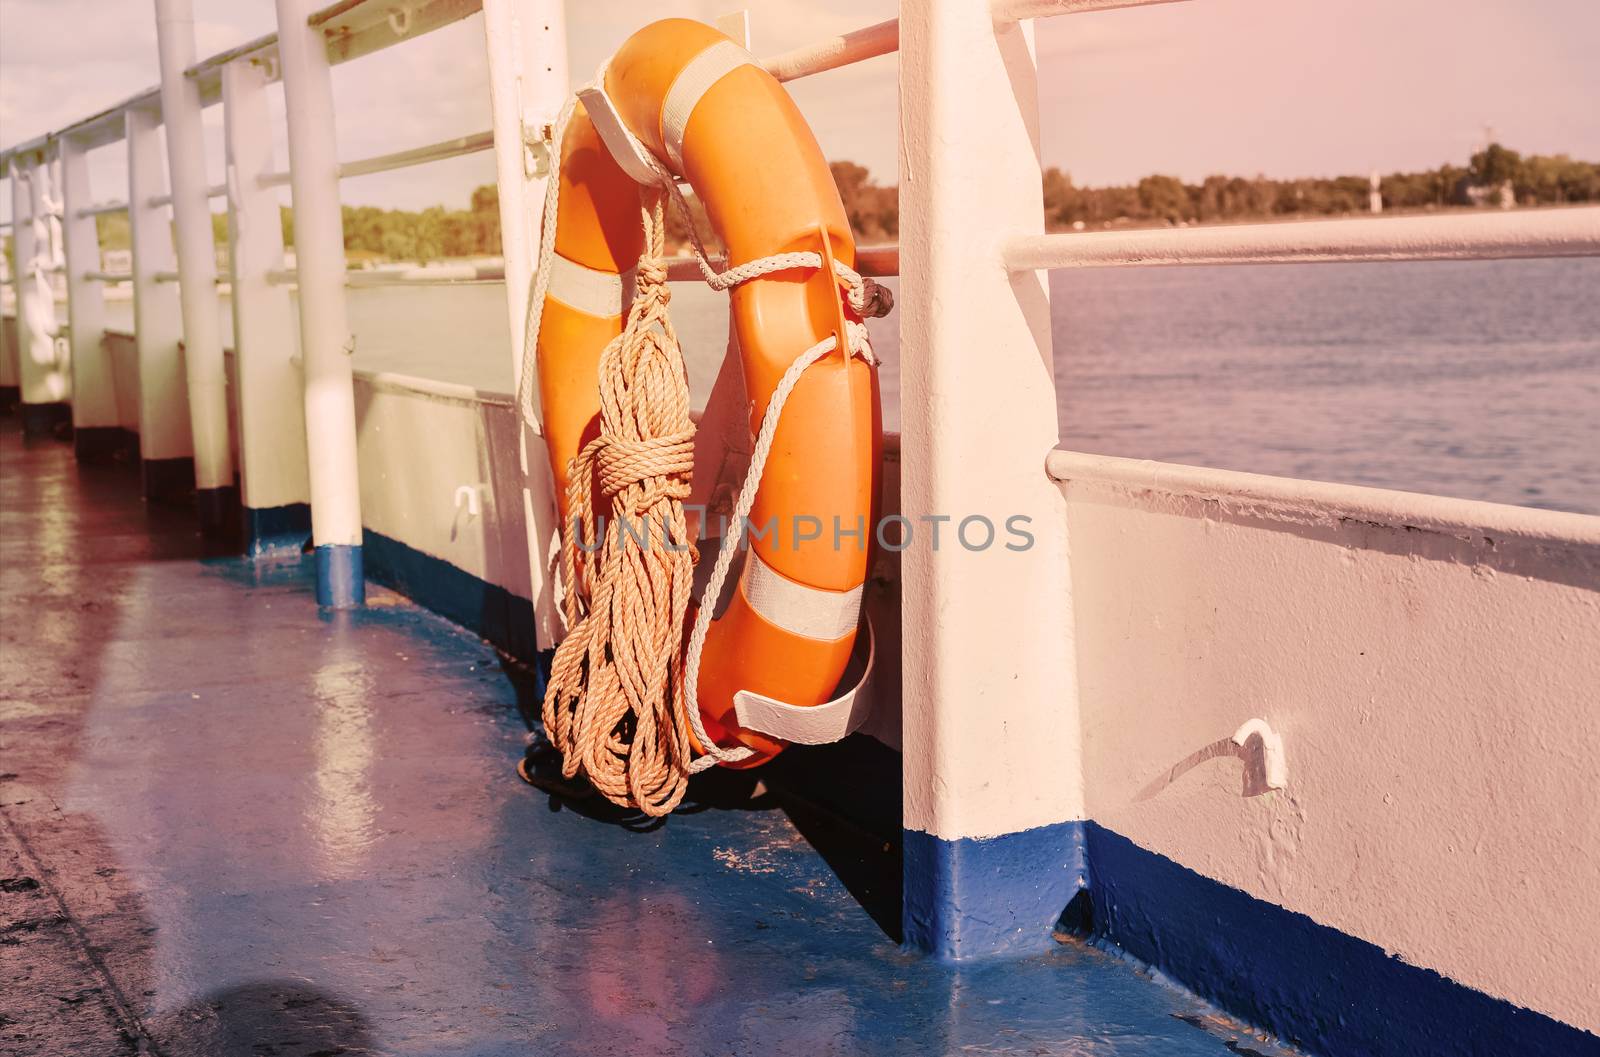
(1475, 379)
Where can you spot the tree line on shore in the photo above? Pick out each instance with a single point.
(437, 233)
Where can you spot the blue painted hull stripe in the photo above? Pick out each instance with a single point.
(276, 528)
(455, 594)
(1314, 986)
(1311, 985)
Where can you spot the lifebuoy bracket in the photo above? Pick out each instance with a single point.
(810, 724)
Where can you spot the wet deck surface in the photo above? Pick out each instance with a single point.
(235, 826)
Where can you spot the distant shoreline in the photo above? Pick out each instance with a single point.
(1148, 224)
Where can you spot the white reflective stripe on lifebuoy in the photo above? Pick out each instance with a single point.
(809, 612)
(604, 295)
(810, 724)
(694, 81)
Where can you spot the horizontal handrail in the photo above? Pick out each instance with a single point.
(856, 46)
(107, 277)
(352, 28)
(1313, 499)
(1562, 232)
(98, 129)
(102, 208)
(214, 191)
(165, 277)
(1017, 10)
(446, 275)
(450, 148)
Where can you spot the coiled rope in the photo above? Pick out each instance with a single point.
(623, 694)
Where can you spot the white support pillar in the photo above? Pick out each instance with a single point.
(96, 432)
(166, 444)
(325, 338)
(197, 268)
(527, 51)
(993, 779)
(41, 369)
(272, 424)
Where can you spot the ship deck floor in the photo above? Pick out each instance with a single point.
(234, 825)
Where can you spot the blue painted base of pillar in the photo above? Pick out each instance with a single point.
(276, 529)
(104, 444)
(168, 480)
(341, 584)
(45, 421)
(218, 512)
(984, 898)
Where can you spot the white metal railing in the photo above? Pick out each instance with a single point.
(101, 209)
(350, 28)
(433, 152)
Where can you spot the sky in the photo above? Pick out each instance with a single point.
(1279, 87)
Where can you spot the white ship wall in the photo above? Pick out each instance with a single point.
(1433, 667)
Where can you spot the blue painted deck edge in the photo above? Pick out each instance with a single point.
(341, 581)
(1311, 985)
(491, 611)
(992, 897)
(273, 529)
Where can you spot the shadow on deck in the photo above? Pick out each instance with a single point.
(233, 824)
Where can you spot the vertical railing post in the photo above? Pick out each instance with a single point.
(527, 52)
(992, 772)
(10, 381)
(204, 368)
(43, 381)
(166, 444)
(272, 432)
(325, 338)
(96, 432)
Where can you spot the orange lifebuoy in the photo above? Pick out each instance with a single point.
(710, 113)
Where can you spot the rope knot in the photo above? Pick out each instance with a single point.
(652, 277)
(622, 464)
(869, 299)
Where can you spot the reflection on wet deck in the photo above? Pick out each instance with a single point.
(250, 828)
